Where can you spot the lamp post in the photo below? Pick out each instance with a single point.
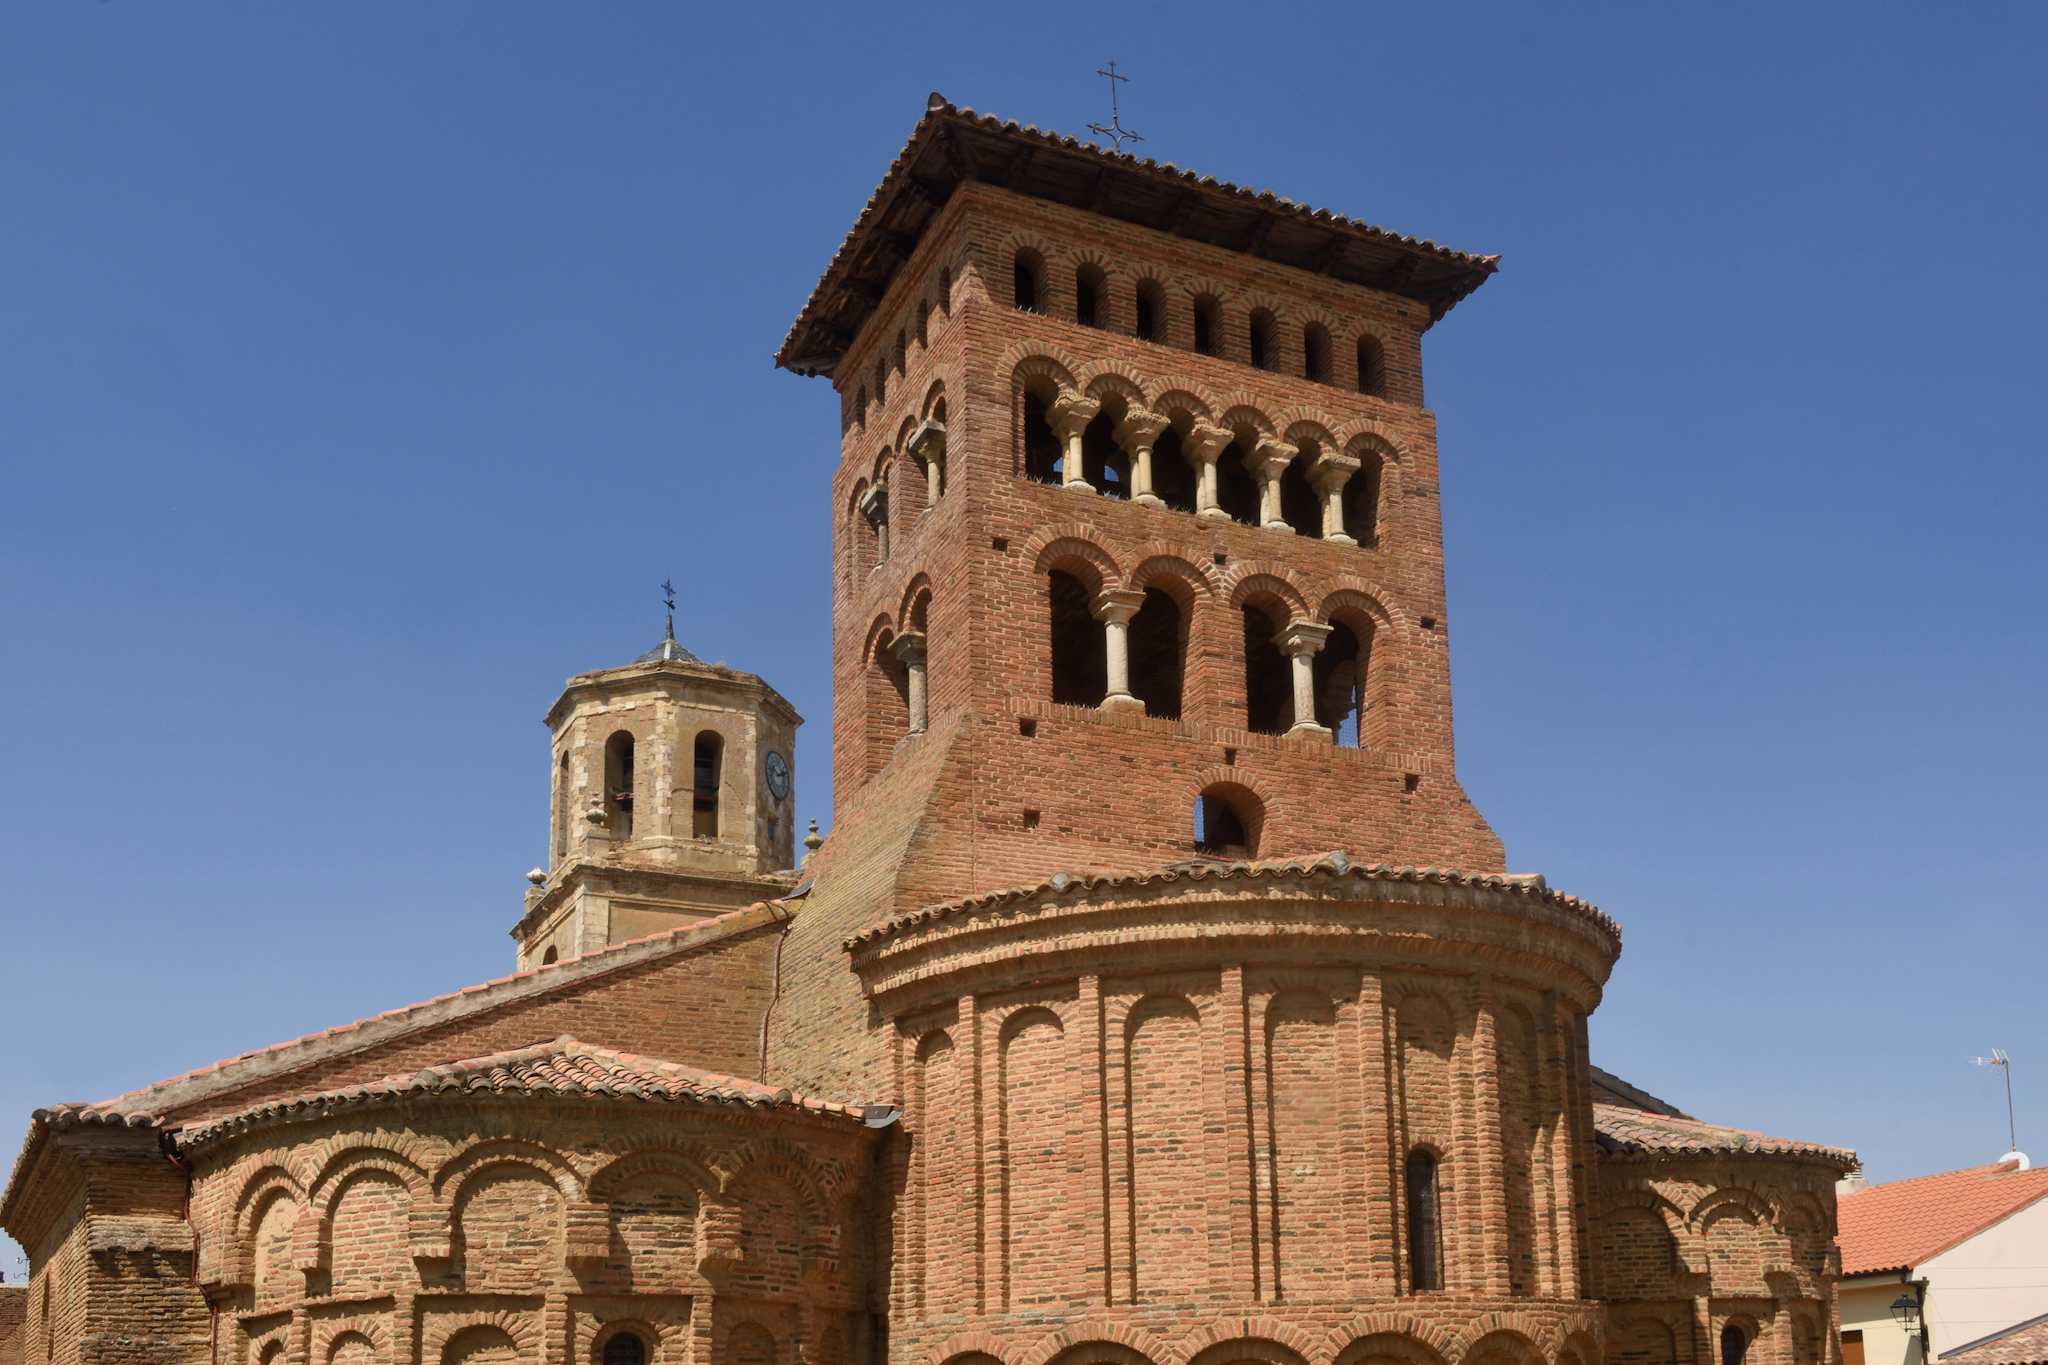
(1906, 1312)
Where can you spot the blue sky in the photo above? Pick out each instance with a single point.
(363, 368)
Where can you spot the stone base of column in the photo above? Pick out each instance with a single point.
(1339, 538)
(1308, 729)
(1213, 514)
(1149, 500)
(1279, 526)
(1080, 486)
(1121, 704)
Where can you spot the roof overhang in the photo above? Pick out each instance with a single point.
(951, 146)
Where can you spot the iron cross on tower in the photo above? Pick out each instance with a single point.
(1114, 130)
(668, 597)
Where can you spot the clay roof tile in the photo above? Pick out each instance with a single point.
(561, 1068)
(1897, 1226)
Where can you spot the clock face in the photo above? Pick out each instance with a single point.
(776, 769)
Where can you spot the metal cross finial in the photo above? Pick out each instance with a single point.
(668, 597)
(1114, 130)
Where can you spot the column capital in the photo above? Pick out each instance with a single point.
(874, 504)
(1302, 638)
(909, 647)
(1141, 428)
(1206, 442)
(929, 434)
(1071, 413)
(1332, 471)
(1116, 606)
(1270, 456)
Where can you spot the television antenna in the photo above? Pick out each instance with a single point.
(2001, 1059)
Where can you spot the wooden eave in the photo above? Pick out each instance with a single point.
(951, 146)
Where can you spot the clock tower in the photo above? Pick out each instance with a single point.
(672, 799)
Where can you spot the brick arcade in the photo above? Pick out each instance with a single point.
(1159, 996)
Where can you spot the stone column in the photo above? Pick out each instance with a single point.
(1205, 445)
(875, 507)
(928, 443)
(1329, 474)
(1270, 459)
(1115, 607)
(1300, 643)
(1138, 431)
(909, 649)
(1070, 416)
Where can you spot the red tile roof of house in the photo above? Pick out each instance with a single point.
(1899, 1225)
(2023, 1343)
(562, 1068)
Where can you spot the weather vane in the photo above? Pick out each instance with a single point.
(1114, 130)
(668, 597)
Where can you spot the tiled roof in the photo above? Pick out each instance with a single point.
(562, 1068)
(1899, 1225)
(1332, 866)
(2023, 1343)
(166, 1095)
(145, 1107)
(1035, 162)
(1626, 1131)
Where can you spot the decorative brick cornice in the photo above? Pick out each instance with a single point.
(1190, 912)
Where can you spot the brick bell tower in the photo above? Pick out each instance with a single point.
(672, 799)
(1138, 553)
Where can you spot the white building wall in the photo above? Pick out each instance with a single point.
(1993, 1280)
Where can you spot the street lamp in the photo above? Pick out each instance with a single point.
(1906, 1312)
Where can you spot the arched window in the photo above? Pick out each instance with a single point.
(708, 766)
(1361, 501)
(1372, 366)
(1103, 462)
(1080, 658)
(1028, 280)
(618, 784)
(1173, 477)
(1043, 455)
(1237, 492)
(860, 406)
(1158, 645)
(1425, 1223)
(1150, 306)
(1089, 288)
(1208, 324)
(561, 841)
(1339, 669)
(1226, 823)
(624, 1348)
(881, 384)
(1734, 1344)
(1301, 507)
(1259, 339)
(887, 698)
(550, 957)
(1268, 684)
(1315, 353)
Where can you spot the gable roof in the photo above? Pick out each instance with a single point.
(952, 145)
(2023, 1343)
(1899, 1225)
(561, 1068)
(148, 1106)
